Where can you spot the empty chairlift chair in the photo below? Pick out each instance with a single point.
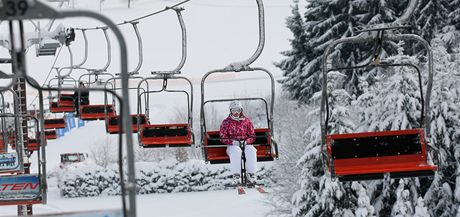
(96, 112)
(216, 153)
(372, 155)
(55, 108)
(163, 135)
(50, 134)
(363, 156)
(114, 128)
(55, 123)
(32, 144)
(65, 103)
(66, 100)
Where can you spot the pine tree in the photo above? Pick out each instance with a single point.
(403, 205)
(320, 195)
(324, 21)
(445, 121)
(431, 17)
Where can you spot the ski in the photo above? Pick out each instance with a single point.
(241, 190)
(261, 190)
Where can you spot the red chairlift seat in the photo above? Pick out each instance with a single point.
(370, 155)
(2, 145)
(218, 154)
(113, 128)
(50, 134)
(55, 108)
(66, 100)
(55, 123)
(96, 112)
(32, 144)
(162, 135)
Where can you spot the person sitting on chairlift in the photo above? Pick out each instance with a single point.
(237, 130)
(83, 99)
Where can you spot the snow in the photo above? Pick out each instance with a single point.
(218, 33)
(212, 203)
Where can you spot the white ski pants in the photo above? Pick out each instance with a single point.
(234, 152)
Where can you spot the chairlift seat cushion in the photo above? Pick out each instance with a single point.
(369, 155)
(218, 154)
(96, 112)
(162, 135)
(55, 123)
(66, 100)
(113, 127)
(50, 134)
(55, 108)
(32, 145)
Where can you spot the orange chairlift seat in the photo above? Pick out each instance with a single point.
(55, 108)
(2, 145)
(372, 155)
(66, 100)
(65, 103)
(50, 134)
(55, 123)
(162, 135)
(113, 127)
(96, 112)
(32, 144)
(369, 155)
(218, 153)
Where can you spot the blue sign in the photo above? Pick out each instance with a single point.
(81, 123)
(9, 162)
(70, 121)
(19, 188)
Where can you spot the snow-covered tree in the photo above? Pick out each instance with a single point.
(445, 121)
(403, 205)
(431, 17)
(290, 123)
(319, 195)
(322, 23)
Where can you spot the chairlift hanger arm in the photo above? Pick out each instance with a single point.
(243, 65)
(184, 45)
(139, 47)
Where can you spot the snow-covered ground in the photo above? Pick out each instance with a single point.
(218, 33)
(225, 203)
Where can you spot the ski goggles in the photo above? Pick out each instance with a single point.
(235, 110)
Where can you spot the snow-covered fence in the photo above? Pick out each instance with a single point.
(164, 177)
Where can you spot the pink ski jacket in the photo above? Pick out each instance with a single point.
(231, 129)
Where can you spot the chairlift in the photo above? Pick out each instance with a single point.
(113, 122)
(65, 101)
(155, 135)
(170, 134)
(55, 123)
(50, 134)
(214, 151)
(96, 112)
(374, 155)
